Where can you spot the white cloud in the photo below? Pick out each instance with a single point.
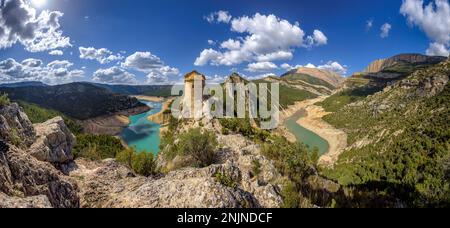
(385, 29)
(261, 67)
(56, 52)
(317, 39)
(152, 65)
(437, 49)
(60, 64)
(102, 55)
(32, 62)
(231, 44)
(219, 17)
(267, 38)
(114, 75)
(330, 66)
(369, 25)
(19, 22)
(56, 72)
(433, 19)
(211, 42)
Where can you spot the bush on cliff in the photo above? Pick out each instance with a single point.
(4, 100)
(141, 163)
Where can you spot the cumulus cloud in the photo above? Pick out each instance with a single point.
(102, 55)
(152, 65)
(261, 67)
(317, 39)
(433, 19)
(20, 23)
(267, 38)
(56, 72)
(56, 52)
(114, 75)
(385, 29)
(211, 42)
(219, 17)
(330, 66)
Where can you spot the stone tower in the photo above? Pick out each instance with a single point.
(194, 84)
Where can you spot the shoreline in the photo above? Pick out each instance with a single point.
(159, 117)
(111, 124)
(149, 98)
(312, 121)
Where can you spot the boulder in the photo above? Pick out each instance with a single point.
(15, 127)
(54, 142)
(28, 202)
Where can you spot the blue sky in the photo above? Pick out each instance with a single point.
(174, 33)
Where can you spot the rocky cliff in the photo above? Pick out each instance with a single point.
(381, 64)
(26, 181)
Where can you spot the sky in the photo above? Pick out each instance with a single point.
(158, 41)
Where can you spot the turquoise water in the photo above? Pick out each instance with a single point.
(304, 135)
(143, 134)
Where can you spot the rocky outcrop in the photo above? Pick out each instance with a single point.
(28, 202)
(108, 184)
(15, 127)
(26, 176)
(53, 143)
(24, 180)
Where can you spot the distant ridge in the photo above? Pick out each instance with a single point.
(23, 84)
(78, 100)
(381, 64)
(330, 77)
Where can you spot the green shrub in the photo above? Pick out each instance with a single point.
(226, 180)
(290, 195)
(141, 163)
(199, 145)
(4, 100)
(97, 147)
(256, 167)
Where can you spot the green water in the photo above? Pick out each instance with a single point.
(143, 134)
(304, 135)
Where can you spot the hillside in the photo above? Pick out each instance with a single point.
(400, 142)
(378, 75)
(22, 84)
(319, 82)
(77, 100)
(148, 90)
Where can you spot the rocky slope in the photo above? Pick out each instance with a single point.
(316, 81)
(399, 140)
(41, 173)
(25, 181)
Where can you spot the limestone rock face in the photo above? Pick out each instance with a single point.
(23, 175)
(28, 202)
(109, 184)
(15, 127)
(382, 64)
(54, 142)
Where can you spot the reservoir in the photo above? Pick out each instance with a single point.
(143, 134)
(304, 135)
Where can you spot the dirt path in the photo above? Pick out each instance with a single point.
(337, 139)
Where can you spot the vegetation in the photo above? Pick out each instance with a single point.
(141, 163)
(405, 148)
(226, 180)
(80, 101)
(38, 114)
(339, 100)
(195, 143)
(97, 147)
(256, 167)
(243, 127)
(4, 100)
